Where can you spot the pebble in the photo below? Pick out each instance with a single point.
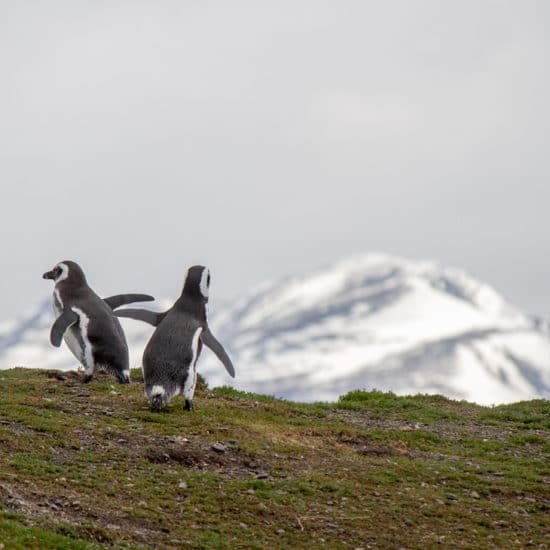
(182, 485)
(451, 496)
(280, 531)
(262, 475)
(219, 447)
(474, 494)
(408, 522)
(178, 439)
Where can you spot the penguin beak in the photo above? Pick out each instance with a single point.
(49, 275)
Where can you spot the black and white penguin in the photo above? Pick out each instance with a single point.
(87, 324)
(170, 357)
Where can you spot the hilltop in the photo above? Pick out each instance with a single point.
(87, 466)
(369, 321)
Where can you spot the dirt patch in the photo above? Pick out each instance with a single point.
(364, 445)
(222, 457)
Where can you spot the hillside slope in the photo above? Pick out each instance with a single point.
(86, 466)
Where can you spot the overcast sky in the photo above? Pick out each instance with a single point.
(263, 138)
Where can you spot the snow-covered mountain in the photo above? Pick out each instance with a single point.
(371, 321)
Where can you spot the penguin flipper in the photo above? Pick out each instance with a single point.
(123, 299)
(151, 317)
(62, 323)
(209, 340)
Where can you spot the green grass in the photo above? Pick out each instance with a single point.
(90, 466)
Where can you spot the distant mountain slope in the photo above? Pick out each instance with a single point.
(371, 321)
(377, 321)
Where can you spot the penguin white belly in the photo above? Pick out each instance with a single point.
(80, 333)
(191, 381)
(70, 336)
(73, 344)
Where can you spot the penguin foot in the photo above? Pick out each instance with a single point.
(189, 406)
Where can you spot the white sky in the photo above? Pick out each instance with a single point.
(265, 138)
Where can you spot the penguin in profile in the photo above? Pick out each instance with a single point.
(87, 324)
(170, 357)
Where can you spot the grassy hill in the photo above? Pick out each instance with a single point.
(90, 466)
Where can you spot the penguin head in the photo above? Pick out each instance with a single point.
(197, 282)
(66, 271)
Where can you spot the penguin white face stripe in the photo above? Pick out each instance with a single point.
(64, 272)
(205, 282)
(57, 301)
(87, 357)
(191, 380)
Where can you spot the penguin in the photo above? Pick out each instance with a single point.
(87, 324)
(170, 357)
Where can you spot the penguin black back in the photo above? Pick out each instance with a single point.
(170, 357)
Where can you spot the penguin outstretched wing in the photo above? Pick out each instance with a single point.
(209, 340)
(62, 323)
(151, 317)
(123, 299)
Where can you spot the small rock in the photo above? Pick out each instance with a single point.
(262, 475)
(474, 494)
(250, 491)
(408, 522)
(182, 485)
(243, 525)
(439, 501)
(451, 496)
(280, 531)
(219, 447)
(178, 439)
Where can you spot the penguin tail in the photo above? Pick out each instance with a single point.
(158, 398)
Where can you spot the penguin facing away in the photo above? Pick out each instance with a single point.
(170, 357)
(87, 324)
